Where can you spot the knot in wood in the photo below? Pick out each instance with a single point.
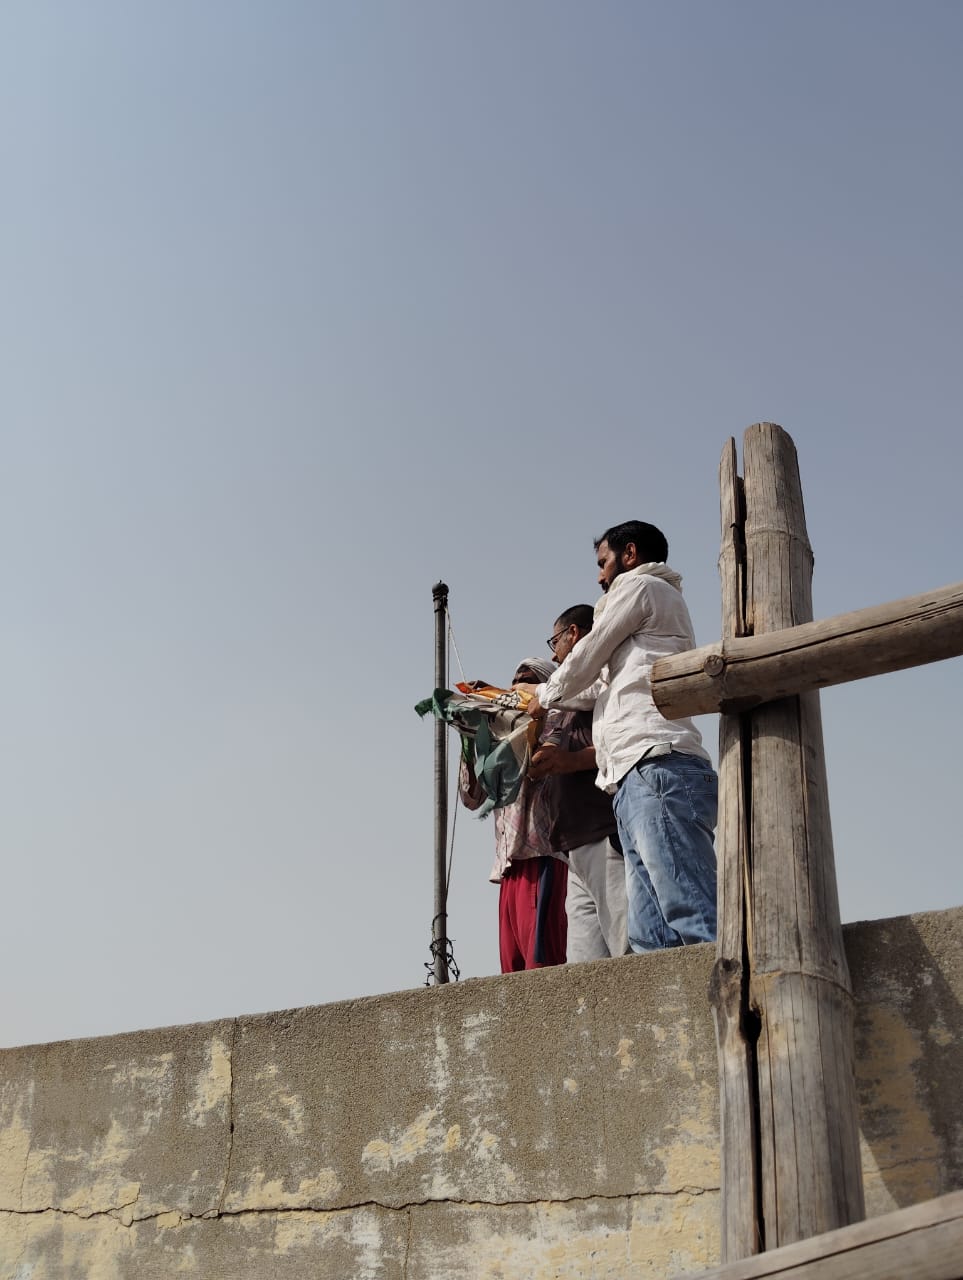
(714, 665)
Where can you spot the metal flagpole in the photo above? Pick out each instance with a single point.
(439, 924)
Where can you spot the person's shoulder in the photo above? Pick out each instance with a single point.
(627, 587)
(625, 584)
(660, 581)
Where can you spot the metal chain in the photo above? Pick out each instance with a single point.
(454, 972)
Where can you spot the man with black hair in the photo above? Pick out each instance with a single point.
(583, 823)
(664, 788)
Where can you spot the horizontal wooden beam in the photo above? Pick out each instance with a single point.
(923, 1242)
(739, 674)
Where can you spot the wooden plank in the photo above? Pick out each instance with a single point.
(740, 673)
(922, 1242)
(811, 1177)
(729, 986)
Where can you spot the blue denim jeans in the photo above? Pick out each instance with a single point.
(666, 812)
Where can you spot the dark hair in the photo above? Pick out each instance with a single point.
(579, 615)
(650, 543)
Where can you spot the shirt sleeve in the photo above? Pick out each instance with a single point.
(558, 729)
(625, 613)
(583, 701)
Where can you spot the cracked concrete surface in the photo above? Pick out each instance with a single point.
(560, 1123)
(118, 1213)
(230, 1121)
(577, 1238)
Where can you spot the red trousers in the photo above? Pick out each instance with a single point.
(531, 914)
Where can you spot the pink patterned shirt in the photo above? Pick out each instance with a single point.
(523, 828)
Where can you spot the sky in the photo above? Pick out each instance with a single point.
(307, 305)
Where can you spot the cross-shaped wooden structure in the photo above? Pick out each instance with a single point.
(781, 994)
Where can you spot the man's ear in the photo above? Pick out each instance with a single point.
(630, 556)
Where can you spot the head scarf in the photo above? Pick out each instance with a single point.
(540, 666)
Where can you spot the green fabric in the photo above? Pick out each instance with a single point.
(437, 704)
(497, 763)
(498, 769)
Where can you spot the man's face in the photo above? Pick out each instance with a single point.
(524, 676)
(565, 642)
(612, 564)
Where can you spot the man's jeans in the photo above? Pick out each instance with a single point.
(666, 812)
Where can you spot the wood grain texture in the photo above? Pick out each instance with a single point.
(799, 985)
(744, 671)
(729, 986)
(923, 1242)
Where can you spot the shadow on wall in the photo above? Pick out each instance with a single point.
(908, 982)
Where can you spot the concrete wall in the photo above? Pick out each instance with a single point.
(561, 1123)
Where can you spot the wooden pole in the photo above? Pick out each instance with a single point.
(439, 923)
(810, 1172)
(729, 986)
(739, 674)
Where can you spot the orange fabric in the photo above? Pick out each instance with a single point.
(491, 692)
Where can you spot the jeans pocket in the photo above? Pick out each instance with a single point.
(703, 788)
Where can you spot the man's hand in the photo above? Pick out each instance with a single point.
(534, 708)
(550, 759)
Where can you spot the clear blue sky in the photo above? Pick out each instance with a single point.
(306, 305)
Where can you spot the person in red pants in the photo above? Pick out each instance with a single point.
(532, 880)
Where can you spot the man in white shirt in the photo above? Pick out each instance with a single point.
(664, 788)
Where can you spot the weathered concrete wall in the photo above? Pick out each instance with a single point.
(555, 1124)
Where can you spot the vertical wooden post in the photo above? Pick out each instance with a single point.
(790, 1137)
(809, 1135)
(729, 987)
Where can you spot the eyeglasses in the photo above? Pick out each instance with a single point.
(552, 641)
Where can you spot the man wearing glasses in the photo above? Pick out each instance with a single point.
(583, 825)
(657, 771)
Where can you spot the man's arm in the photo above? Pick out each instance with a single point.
(469, 788)
(625, 613)
(583, 701)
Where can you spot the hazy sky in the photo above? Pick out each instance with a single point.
(307, 305)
